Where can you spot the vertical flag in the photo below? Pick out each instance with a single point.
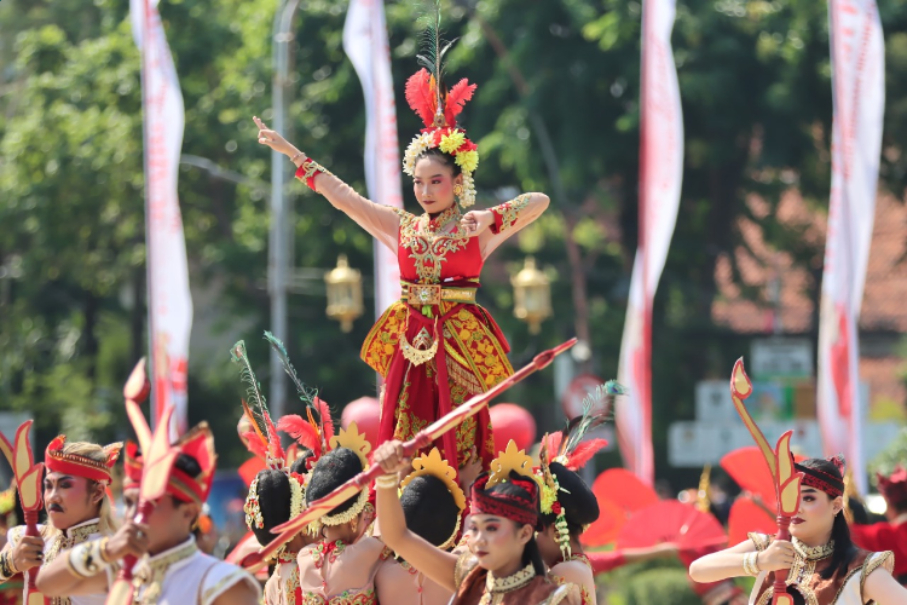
(660, 177)
(365, 42)
(169, 300)
(858, 91)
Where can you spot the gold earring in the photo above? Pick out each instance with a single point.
(458, 190)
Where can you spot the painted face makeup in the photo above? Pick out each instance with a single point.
(433, 185)
(495, 542)
(815, 517)
(70, 500)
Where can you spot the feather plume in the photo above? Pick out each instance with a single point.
(255, 445)
(299, 429)
(553, 441)
(431, 57)
(584, 452)
(318, 412)
(256, 400)
(420, 96)
(327, 424)
(457, 97)
(306, 394)
(597, 409)
(274, 446)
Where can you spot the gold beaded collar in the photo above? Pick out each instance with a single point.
(152, 571)
(509, 583)
(433, 225)
(813, 553)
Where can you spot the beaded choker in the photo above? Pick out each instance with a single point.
(813, 553)
(509, 583)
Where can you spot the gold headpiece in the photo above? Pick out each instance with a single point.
(511, 459)
(433, 464)
(352, 439)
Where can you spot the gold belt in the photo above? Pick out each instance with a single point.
(433, 294)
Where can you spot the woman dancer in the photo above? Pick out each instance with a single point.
(435, 347)
(503, 565)
(826, 568)
(432, 505)
(340, 567)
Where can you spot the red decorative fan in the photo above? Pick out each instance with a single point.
(605, 529)
(250, 468)
(624, 489)
(674, 522)
(748, 516)
(747, 467)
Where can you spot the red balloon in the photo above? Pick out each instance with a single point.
(366, 413)
(510, 421)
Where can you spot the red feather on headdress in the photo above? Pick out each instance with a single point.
(324, 412)
(421, 96)
(457, 97)
(554, 442)
(255, 445)
(274, 445)
(584, 452)
(299, 429)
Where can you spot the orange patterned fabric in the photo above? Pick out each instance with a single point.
(471, 351)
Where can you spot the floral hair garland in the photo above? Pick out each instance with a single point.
(438, 110)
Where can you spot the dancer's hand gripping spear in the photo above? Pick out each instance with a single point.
(159, 457)
(780, 463)
(28, 479)
(423, 439)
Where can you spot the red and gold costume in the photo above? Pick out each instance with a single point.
(435, 347)
(889, 535)
(479, 586)
(57, 541)
(843, 587)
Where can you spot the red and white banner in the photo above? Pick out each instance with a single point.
(169, 300)
(365, 43)
(858, 89)
(660, 178)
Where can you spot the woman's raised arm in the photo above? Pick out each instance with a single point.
(506, 220)
(435, 563)
(382, 222)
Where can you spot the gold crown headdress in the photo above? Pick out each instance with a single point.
(352, 439)
(433, 464)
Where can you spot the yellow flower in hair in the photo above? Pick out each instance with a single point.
(468, 160)
(453, 141)
(549, 497)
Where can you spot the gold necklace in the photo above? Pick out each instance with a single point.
(813, 553)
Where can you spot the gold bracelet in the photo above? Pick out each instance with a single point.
(748, 565)
(387, 481)
(11, 564)
(102, 548)
(756, 567)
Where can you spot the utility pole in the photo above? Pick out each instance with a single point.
(279, 250)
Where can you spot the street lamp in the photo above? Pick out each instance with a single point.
(532, 295)
(344, 287)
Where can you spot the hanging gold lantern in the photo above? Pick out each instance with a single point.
(344, 293)
(532, 296)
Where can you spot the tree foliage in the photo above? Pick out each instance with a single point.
(755, 83)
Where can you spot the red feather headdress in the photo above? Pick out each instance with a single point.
(438, 108)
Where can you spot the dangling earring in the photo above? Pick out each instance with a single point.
(458, 190)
